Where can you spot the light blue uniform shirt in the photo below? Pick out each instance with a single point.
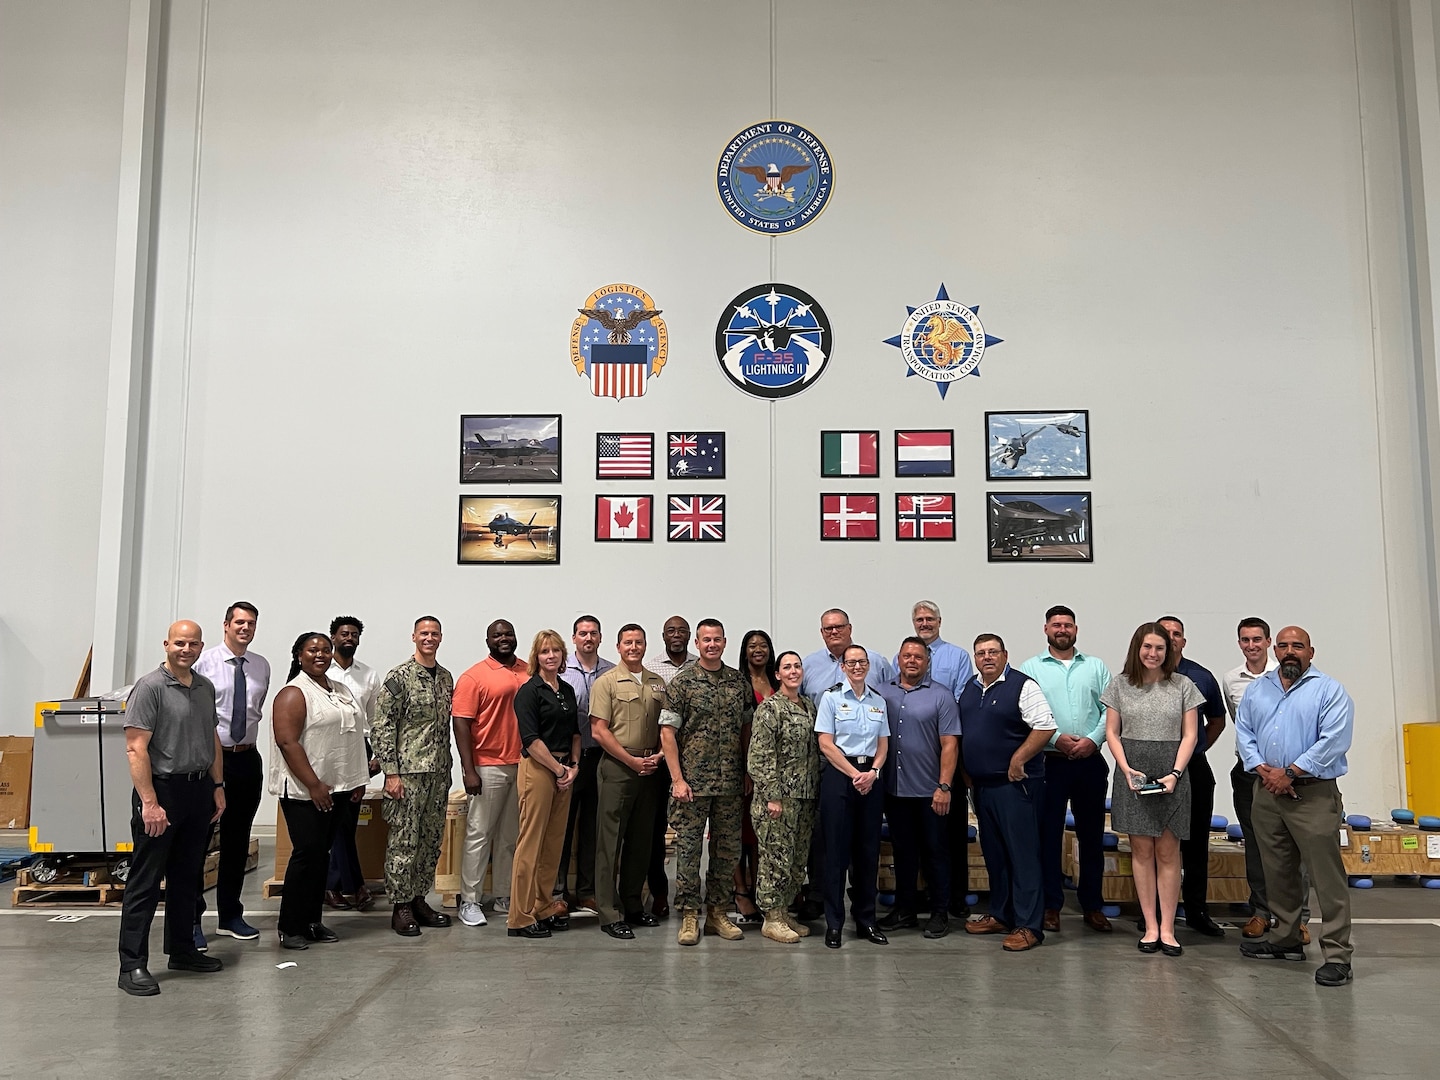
(949, 666)
(1073, 692)
(1309, 726)
(857, 723)
(822, 671)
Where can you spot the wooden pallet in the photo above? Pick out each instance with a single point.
(95, 889)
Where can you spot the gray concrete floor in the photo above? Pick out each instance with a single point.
(474, 1003)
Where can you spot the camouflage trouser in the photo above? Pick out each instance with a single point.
(417, 823)
(784, 850)
(724, 812)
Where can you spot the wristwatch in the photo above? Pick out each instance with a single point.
(945, 788)
(1291, 774)
(219, 784)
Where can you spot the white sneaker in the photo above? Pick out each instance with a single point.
(501, 906)
(472, 914)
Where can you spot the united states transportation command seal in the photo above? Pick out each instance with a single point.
(773, 340)
(943, 341)
(775, 177)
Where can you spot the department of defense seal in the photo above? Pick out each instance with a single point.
(943, 341)
(773, 340)
(619, 341)
(774, 177)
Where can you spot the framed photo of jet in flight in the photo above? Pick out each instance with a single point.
(1039, 526)
(509, 449)
(509, 529)
(1037, 445)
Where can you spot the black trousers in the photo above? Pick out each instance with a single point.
(312, 832)
(580, 827)
(919, 837)
(1083, 784)
(244, 781)
(958, 826)
(1195, 852)
(176, 856)
(655, 877)
(1009, 816)
(345, 875)
(850, 823)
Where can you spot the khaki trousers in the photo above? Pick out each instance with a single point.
(544, 810)
(491, 822)
(1291, 831)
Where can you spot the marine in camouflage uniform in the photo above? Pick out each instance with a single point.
(411, 739)
(709, 716)
(785, 768)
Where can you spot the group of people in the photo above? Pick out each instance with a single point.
(790, 764)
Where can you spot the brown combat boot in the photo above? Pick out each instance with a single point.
(689, 928)
(777, 928)
(801, 930)
(719, 924)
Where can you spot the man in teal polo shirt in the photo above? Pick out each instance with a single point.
(1075, 771)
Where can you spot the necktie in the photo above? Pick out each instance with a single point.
(237, 706)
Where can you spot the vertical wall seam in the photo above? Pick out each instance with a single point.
(774, 242)
(186, 346)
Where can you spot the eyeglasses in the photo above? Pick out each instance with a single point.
(833, 629)
(854, 663)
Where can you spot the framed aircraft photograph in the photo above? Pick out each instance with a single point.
(1037, 445)
(509, 449)
(497, 529)
(1039, 526)
(623, 518)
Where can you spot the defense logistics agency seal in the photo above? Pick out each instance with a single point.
(773, 340)
(619, 341)
(775, 177)
(943, 341)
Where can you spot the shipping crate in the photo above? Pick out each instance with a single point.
(1386, 849)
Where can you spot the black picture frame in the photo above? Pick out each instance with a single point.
(707, 443)
(872, 475)
(501, 455)
(923, 469)
(706, 502)
(842, 509)
(1037, 525)
(645, 499)
(1055, 454)
(902, 519)
(530, 536)
(612, 475)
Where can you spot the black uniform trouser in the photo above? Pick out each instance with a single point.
(1195, 852)
(344, 874)
(580, 827)
(1082, 783)
(655, 876)
(244, 781)
(919, 837)
(312, 832)
(850, 823)
(959, 834)
(177, 857)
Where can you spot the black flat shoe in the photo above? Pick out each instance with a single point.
(872, 934)
(319, 932)
(139, 983)
(1148, 946)
(293, 941)
(534, 930)
(1171, 950)
(642, 918)
(619, 931)
(832, 939)
(194, 961)
(899, 920)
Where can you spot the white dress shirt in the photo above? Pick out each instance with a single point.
(217, 664)
(363, 682)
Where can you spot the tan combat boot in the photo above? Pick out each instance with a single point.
(689, 928)
(717, 922)
(777, 928)
(801, 930)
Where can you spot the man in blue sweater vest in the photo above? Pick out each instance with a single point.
(1005, 722)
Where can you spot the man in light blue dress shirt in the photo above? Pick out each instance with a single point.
(1293, 729)
(949, 664)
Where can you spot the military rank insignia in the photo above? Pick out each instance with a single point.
(774, 177)
(619, 342)
(943, 341)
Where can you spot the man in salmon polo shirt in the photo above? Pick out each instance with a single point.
(487, 737)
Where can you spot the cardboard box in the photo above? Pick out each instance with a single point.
(17, 754)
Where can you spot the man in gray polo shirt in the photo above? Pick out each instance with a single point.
(175, 765)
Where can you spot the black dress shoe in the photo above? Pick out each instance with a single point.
(558, 923)
(642, 918)
(293, 941)
(534, 930)
(194, 961)
(336, 899)
(320, 933)
(832, 939)
(619, 931)
(872, 934)
(899, 920)
(402, 921)
(1204, 924)
(138, 982)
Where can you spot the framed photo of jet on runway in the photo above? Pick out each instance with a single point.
(509, 449)
(1039, 526)
(1037, 445)
(509, 529)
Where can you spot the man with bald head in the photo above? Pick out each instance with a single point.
(1293, 729)
(175, 764)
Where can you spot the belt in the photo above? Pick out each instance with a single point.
(634, 752)
(200, 774)
(861, 762)
(1301, 781)
(238, 749)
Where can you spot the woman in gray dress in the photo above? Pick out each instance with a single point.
(1151, 726)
